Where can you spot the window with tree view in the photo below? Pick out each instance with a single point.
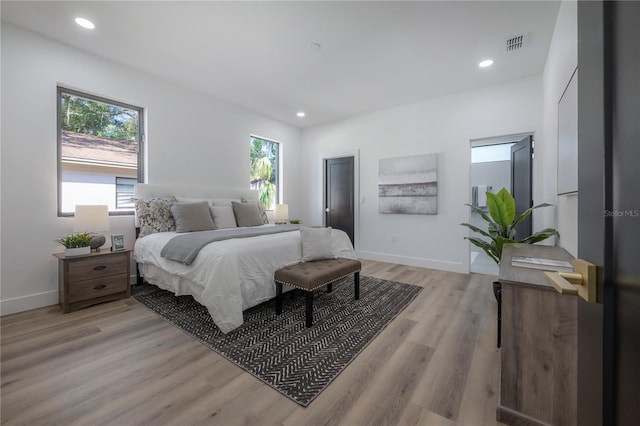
(99, 152)
(264, 173)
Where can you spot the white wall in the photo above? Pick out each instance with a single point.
(192, 139)
(562, 60)
(442, 125)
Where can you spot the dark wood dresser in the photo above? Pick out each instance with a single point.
(538, 360)
(93, 278)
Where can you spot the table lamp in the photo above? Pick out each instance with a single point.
(93, 219)
(281, 214)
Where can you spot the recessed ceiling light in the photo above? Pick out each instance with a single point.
(300, 114)
(486, 63)
(85, 23)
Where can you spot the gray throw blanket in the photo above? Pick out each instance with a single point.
(184, 248)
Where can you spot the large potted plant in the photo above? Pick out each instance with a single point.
(501, 228)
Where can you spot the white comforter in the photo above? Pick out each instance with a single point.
(228, 276)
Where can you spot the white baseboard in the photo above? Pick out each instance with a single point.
(26, 303)
(35, 301)
(414, 261)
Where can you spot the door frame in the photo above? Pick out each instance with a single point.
(484, 141)
(356, 190)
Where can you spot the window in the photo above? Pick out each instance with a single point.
(99, 152)
(264, 174)
(125, 192)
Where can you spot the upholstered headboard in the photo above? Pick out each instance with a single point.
(145, 191)
(149, 190)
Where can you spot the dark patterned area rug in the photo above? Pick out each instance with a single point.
(297, 361)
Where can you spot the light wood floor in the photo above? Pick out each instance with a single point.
(120, 364)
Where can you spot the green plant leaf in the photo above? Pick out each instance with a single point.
(509, 203)
(528, 212)
(480, 212)
(488, 248)
(500, 242)
(75, 240)
(497, 209)
(476, 229)
(540, 236)
(501, 223)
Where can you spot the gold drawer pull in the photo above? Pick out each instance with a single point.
(99, 268)
(100, 287)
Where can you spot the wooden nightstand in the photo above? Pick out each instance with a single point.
(92, 278)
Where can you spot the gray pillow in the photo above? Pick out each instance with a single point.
(261, 209)
(192, 217)
(223, 217)
(316, 244)
(246, 214)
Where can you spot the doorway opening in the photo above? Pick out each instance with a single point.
(496, 163)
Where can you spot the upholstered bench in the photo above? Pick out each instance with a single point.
(310, 276)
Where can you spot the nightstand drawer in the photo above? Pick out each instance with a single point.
(103, 286)
(99, 266)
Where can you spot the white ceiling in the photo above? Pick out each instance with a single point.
(374, 55)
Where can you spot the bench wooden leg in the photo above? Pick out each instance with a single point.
(356, 285)
(278, 298)
(309, 310)
(329, 288)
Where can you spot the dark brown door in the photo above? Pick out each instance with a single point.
(339, 208)
(609, 211)
(521, 157)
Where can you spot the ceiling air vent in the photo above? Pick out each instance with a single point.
(517, 42)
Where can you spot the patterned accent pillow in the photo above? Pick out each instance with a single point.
(261, 209)
(154, 215)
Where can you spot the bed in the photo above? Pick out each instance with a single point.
(226, 276)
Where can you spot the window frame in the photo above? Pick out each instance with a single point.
(141, 141)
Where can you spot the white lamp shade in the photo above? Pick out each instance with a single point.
(281, 213)
(91, 218)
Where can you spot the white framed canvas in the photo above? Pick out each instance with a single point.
(408, 185)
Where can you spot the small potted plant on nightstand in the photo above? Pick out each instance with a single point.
(76, 244)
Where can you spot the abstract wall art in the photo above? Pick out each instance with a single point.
(408, 185)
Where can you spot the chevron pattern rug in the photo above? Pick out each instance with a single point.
(297, 361)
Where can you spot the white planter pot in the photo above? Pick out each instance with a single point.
(77, 251)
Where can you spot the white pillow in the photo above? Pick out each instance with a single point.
(194, 200)
(223, 216)
(316, 244)
(224, 201)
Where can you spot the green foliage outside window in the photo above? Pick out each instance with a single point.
(264, 169)
(99, 119)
